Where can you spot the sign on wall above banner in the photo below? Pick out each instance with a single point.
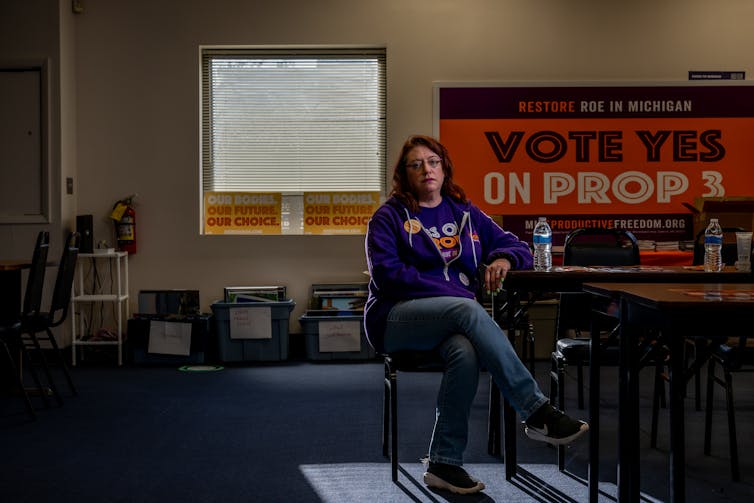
(610, 153)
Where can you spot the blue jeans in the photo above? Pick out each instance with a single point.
(468, 339)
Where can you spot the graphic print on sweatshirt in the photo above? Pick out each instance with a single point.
(441, 225)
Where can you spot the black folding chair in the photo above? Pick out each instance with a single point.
(38, 327)
(585, 247)
(699, 347)
(11, 332)
(588, 247)
(422, 361)
(736, 355)
(426, 361)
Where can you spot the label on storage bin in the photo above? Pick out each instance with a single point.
(339, 336)
(169, 338)
(251, 323)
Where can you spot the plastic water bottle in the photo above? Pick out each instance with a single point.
(713, 244)
(542, 245)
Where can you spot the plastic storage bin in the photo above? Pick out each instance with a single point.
(311, 323)
(238, 328)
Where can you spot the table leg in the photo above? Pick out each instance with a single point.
(634, 416)
(493, 421)
(509, 425)
(628, 425)
(594, 410)
(677, 423)
(509, 415)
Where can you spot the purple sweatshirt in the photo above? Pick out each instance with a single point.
(407, 265)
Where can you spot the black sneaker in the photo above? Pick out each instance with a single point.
(451, 478)
(550, 425)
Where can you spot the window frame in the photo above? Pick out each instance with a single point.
(292, 200)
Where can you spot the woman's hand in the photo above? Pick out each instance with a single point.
(495, 274)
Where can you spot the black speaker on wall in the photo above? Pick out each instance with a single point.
(84, 224)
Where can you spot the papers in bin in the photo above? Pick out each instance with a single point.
(169, 338)
(339, 336)
(251, 322)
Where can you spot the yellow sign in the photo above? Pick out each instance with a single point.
(339, 212)
(242, 213)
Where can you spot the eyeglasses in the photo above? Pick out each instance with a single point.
(432, 162)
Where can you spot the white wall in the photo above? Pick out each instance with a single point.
(136, 103)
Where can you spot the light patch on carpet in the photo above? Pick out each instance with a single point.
(349, 482)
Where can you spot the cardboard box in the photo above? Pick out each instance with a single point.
(254, 331)
(735, 211)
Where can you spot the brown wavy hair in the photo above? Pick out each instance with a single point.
(401, 189)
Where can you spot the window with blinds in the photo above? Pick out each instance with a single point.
(293, 121)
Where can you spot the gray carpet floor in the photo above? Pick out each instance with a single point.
(303, 431)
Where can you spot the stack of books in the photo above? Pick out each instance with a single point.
(341, 298)
(237, 294)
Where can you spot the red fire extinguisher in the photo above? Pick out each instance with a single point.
(124, 216)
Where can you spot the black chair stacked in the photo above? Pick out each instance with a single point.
(11, 331)
(38, 326)
(25, 335)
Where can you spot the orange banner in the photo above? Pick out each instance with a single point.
(242, 213)
(590, 166)
(595, 150)
(338, 212)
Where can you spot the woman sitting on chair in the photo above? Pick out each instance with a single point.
(424, 246)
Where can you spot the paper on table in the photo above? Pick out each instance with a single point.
(169, 338)
(251, 322)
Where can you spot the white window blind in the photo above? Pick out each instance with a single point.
(290, 121)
